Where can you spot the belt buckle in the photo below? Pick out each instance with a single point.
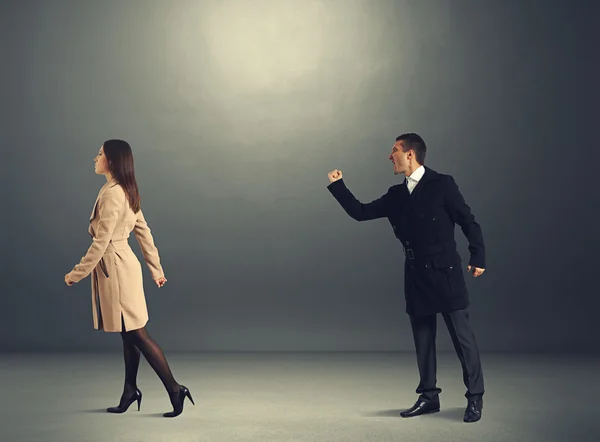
(410, 253)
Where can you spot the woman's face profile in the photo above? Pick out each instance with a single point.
(101, 164)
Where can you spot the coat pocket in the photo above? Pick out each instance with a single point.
(444, 262)
(449, 267)
(103, 267)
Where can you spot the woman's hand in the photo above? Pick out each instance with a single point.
(160, 281)
(68, 281)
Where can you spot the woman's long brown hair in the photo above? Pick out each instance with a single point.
(120, 164)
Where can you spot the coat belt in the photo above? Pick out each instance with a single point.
(117, 244)
(420, 252)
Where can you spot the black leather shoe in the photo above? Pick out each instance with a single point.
(473, 410)
(177, 401)
(125, 403)
(421, 407)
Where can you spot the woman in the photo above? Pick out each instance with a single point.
(118, 302)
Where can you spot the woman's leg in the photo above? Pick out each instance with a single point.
(131, 354)
(156, 358)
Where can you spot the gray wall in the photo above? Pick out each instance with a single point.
(237, 110)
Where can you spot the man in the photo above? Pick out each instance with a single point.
(423, 212)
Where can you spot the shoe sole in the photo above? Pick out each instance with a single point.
(471, 421)
(421, 414)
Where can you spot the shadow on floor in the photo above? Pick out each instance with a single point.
(453, 414)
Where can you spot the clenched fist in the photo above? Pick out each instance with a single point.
(160, 281)
(334, 175)
(476, 271)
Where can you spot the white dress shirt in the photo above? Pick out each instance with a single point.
(413, 179)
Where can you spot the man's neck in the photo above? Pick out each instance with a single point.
(411, 169)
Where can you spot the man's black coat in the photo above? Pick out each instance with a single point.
(424, 222)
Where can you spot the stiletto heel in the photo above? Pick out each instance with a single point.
(178, 405)
(189, 395)
(122, 407)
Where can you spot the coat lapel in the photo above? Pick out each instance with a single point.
(110, 183)
(93, 214)
(427, 176)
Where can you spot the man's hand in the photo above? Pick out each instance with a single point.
(68, 281)
(476, 271)
(160, 281)
(334, 175)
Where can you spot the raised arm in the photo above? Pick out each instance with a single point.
(359, 211)
(461, 214)
(110, 205)
(144, 238)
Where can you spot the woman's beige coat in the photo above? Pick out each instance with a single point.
(117, 287)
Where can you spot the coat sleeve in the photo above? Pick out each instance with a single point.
(460, 213)
(146, 241)
(359, 211)
(110, 205)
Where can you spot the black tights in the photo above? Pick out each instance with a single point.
(134, 342)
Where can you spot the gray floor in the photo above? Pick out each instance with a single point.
(297, 397)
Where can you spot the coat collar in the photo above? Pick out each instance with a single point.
(428, 175)
(110, 183)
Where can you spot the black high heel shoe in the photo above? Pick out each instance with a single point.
(178, 405)
(122, 408)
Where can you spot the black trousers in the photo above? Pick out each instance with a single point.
(465, 345)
